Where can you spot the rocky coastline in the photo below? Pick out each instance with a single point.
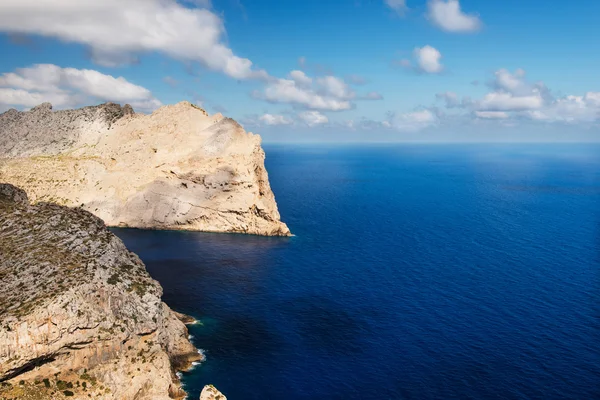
(178, 168)
(80, 316)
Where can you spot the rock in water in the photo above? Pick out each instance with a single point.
(79, 314)
(211, 393)
(178, 168)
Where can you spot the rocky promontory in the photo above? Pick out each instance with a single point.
(80, 317)
(178, 168)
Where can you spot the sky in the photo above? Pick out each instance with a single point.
(319, 71)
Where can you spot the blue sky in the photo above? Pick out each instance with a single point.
(335, 71)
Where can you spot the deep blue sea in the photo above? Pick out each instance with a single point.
(416, 272)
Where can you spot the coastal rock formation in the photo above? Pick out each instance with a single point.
(80, 316)
(178, 168)
(209, 392)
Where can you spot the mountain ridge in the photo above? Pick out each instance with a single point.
(177, 168)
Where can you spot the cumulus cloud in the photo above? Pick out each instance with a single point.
(412, 121)
(270, 119)
(117, 31)
(571, 109)
(427, 60)
(510, 82)
(300, 78)
(450, 98)
(335, 87)
(399, 6)
(500, 101)
(69, 87)
(325, 93)
(513, 97)
(313, 118)
(448, 16)
(491, 114)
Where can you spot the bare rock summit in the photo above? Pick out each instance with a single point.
(178, 168)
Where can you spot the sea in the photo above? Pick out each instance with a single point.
(417, 271)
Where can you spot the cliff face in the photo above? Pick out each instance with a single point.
(211, 393)
(79, 314)
(178, 168)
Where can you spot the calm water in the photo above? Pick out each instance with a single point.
(417, 272)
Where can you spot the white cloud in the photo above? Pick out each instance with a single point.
(572, 109)
(68, 87)
(335, 87)
(427, 59)
(270, 119)
(500, 101)
(450, 98)
(300, 78)
(536, 115)
(412, 121)
(330, 93)
(491, 114)
(512, 83)
(448, 16)
(313, 118)
(117, 31)
(514, 97)
(592, 98)
(24, 98)
(397, 5)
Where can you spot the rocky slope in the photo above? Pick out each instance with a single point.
(79, 315)
(209, 392)
(178, 168)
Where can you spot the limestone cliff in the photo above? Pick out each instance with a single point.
(178, 168)
(211, 393)
(79, 315)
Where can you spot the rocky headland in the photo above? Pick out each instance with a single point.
(178, 168)
(211, 393)
(80, 317)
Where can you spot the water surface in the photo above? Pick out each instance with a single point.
(417, 272)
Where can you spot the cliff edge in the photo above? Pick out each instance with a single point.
(178, 168)
(80, 316)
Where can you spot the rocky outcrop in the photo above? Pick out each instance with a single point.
(79, 315)
(209, 392)
(178, 168)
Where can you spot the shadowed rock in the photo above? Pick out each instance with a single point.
(76, 306)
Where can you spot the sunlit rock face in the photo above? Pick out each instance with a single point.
(178, 168)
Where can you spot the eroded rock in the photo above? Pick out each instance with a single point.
(209, 392)
(178, 168)
(78, 311)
